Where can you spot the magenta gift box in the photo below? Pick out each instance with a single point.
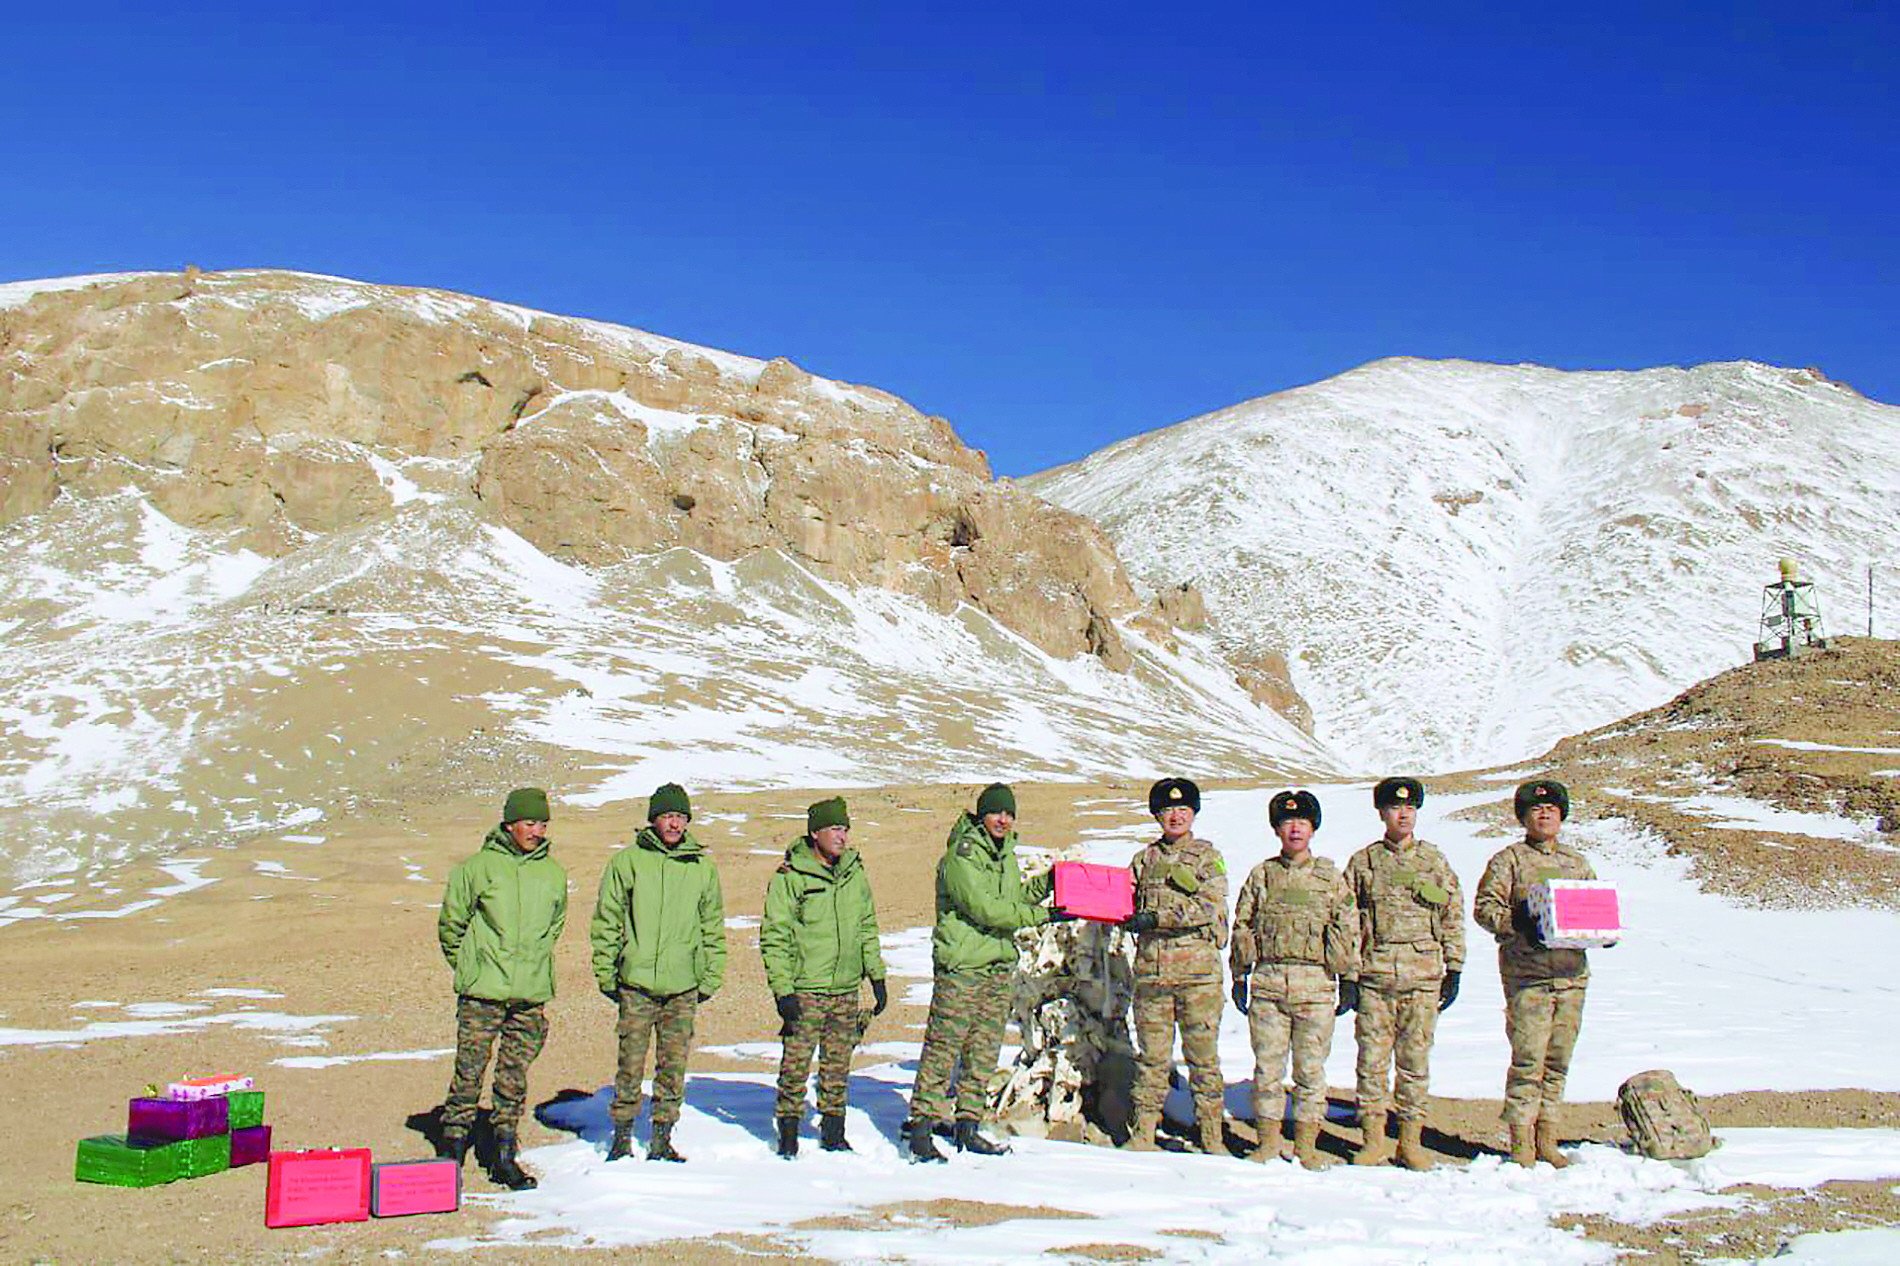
(249, 1145)
(178, 1118)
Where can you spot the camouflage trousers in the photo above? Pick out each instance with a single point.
(1542, 1020)
(515, 1031)
(830, 1025)
(962, 1037)
(1290, 1012)
(1396, 1026)
(1196, 1010)
(664, 1021)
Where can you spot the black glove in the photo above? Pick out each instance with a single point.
(1525, 923)
(788, 1009)
(1348, 997)
(1140, 921)
(1240, 994)
(880, 997)
(1058, 915)
(1448, 989)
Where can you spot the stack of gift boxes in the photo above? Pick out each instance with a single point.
(200, 1126)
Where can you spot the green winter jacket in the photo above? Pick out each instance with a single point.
(820, 928)
(982, 900)
(660, 923)
(502, 912)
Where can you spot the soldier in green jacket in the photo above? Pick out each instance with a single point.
(982, 900)
(819, 941)
(502, 912)
(659, 941)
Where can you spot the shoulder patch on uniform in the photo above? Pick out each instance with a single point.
(963, 848)
(1220, 865)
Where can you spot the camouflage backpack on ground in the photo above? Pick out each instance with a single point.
(1664, 1120)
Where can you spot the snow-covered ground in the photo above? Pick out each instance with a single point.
(1727, 997)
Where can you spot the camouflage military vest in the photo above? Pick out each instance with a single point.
(1404, 895)
(1292, 905)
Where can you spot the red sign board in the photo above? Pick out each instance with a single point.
(309, 1188)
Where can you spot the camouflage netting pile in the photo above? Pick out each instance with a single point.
(1073, 1075)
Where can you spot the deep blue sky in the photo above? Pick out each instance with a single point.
(1055, 229)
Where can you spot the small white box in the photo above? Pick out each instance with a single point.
(1576, 913)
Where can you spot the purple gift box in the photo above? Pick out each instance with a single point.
(250, 1145)
(178, 1118)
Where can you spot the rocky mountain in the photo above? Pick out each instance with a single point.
(1458, 563)
(287, 547)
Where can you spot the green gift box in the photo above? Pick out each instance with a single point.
(121, 1160)
(247, 1108)
(208, 1155)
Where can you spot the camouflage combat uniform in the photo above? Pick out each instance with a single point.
(1543, 988)
(1412, 932)
(659, 950)
(1178, 974)
(1295, 934)
(502, 912)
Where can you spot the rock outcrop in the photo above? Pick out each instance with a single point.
(292, 406)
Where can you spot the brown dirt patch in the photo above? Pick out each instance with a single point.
(946, 1212)
(1105, 1252)
(1772, 1217)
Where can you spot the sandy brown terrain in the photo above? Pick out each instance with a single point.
(355, 937)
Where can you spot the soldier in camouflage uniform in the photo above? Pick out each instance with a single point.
(1412, 952)
(1180, 926)
(982, 901)
(502, 911)
(659, 948)
(819, 942)
(1543, 987)
(1296, 949)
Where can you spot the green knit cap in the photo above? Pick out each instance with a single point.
(670, 798)
(996, 798)
(526, 804)
(826, 813)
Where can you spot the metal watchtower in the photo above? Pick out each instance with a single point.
(1790, 617)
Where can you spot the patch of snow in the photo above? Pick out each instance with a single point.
(333, 1061)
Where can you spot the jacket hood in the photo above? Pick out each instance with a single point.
(689, 845)
(500, 841)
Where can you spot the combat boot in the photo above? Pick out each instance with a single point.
(1546, 1144)
(968, 1140)
(1141, 1135)
(788, 1137)
(831, 1134)
(1523, 1147)
(660, 1146)
(454, 1146)
(622, 1145)
(1412, 1153)
(1377, 1148)
(1306, 1146)
(507, 1169)
(923, 1148)
(1214, 1139)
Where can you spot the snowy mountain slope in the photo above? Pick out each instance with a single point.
(1462, 562)
(160, 687)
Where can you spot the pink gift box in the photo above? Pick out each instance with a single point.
(206, 1087)
(1576, 913)
(176, 1119)
(250, 1145)
(401, 1188)
(1104, 894)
